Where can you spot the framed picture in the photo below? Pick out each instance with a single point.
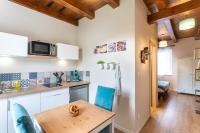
(103, 48)
(112, 47)
(121, 46)
(197, 53)
(97, 50)
(197, 74)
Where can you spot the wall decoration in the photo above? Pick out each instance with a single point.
(101, 64)
(97, 50)
(197, 53)
(103, 48)
(111, 47)
(100, 49)
(121, 46)
(144, 54)
(197, 74)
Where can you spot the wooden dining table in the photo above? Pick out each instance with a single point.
(91, 119)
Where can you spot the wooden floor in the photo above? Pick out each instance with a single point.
(118, 131)
(175, 115)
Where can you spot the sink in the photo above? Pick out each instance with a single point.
(8, 91)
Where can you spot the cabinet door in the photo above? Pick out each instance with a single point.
(65, 51)
(31, 104)
(53, 99)
(3, 116)
(13, 45)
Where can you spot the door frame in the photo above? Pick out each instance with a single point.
(153, 76)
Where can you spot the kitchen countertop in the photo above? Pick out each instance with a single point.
(40, 88)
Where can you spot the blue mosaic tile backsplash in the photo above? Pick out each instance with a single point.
(32, 78)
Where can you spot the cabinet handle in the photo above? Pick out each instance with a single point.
(8, 105)
(57, 94)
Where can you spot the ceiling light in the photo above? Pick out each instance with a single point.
(163, 44)
(187, 24)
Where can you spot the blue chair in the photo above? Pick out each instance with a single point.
(22, 121)
(104, 99)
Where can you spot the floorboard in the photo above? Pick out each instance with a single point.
(174, 115)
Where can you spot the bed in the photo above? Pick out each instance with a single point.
(163, 87)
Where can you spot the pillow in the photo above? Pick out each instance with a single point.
(105, 97)
(25, 125)
(21, 119)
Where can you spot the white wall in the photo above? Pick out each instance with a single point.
(183, 49)
(111, 25)
(37, 26)
(143, 33)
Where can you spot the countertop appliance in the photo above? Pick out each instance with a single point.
(75, 76)
(42, 49)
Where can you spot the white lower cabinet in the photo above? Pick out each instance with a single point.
(31, 104)
(53, 99)
(3, 115)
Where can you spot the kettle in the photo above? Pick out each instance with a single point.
(75, 76)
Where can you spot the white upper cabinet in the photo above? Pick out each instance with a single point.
(65, 51)
(13, 45)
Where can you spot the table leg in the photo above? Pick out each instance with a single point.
(109, 123)
(112, 127)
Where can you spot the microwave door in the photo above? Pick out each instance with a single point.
(41, 49)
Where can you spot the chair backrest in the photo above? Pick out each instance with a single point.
(21, 119)
(105, 97)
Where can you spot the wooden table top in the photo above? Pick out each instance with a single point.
(59, 120)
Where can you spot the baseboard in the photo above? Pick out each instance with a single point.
(144, 123)
(125, 130)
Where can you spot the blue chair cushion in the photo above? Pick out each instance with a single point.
(104, 97)
(25, 125)
(22, 121)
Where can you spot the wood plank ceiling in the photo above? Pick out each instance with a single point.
(168, 13)
(70, 11)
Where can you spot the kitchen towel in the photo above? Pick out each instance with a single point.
(118, 85)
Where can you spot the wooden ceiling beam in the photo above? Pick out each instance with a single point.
(161, 4)
(113, 3)
(76, 7)
(155, 5)
(174, 11)
(46, 11)
(170, 30)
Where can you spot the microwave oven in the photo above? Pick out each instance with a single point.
(42, 49)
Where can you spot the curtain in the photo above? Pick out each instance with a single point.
(165, 61)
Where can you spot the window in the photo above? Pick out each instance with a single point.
(165, 61)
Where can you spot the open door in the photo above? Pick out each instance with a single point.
(153, 76)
